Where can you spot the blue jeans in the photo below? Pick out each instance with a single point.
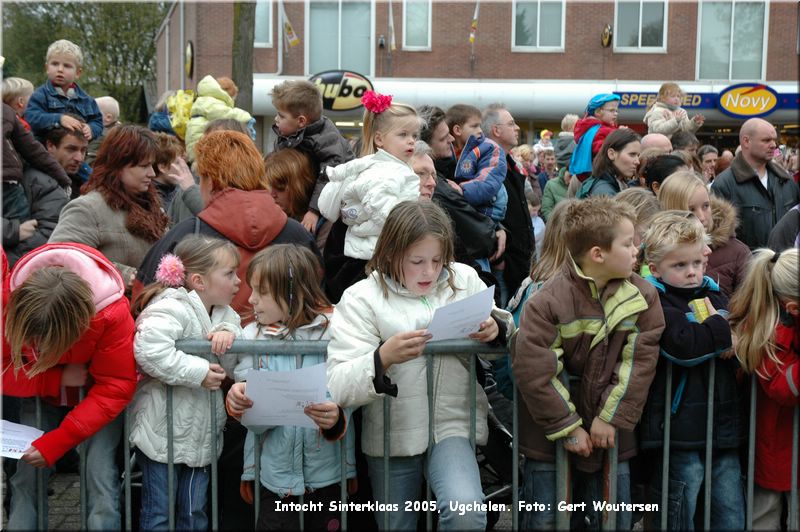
(190, 488)
(686, 476)
(102, 479)
(539, 485)
(453, 476)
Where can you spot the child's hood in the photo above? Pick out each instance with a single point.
(91, 265)
(354, 168)
(210, 87)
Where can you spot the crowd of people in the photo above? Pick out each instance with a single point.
(628, 262)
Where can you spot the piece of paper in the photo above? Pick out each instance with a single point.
(16, 438)
(463, 317)
(279, 397)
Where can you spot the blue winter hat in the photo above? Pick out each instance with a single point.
(599, 100)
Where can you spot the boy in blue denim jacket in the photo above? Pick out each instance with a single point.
(481, 168)
(51, 103)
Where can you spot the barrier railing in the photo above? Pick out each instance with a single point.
(460, 347)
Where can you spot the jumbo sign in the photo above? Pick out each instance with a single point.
(747, 100)
(341, 90)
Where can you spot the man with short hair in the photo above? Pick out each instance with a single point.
(656, 140)
(68, 147)
(499, 126)
(761, 190)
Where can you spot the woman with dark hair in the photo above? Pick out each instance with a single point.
(614, 165)
(119, 213)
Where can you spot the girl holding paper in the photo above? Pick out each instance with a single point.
(289, 304)
(377, 336)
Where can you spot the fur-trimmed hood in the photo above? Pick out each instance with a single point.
(726, 220)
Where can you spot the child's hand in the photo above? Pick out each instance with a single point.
(403, 347)
(214, 377)
(87, 131)
(680, 114)
(237, 402)
(488, 331)
(246, 491)
(699, 119)
(70, 123)
(603, 434)
(711, 310)
(325, 415)
(26, 229)
(74, 375)
(33, 457)
(501, 245)
(221, 341)
(578, 442)
(310, 221)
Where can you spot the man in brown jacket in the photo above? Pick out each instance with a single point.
(601, 324)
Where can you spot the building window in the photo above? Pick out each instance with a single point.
(728, 30)
(263, 33)
(417, 25)
(640, 26)
(339, 36)
(538, 26)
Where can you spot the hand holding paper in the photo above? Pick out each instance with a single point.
(462, 318)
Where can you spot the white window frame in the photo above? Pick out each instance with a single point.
(413, 48)
(537, 49)
(642, 49)
(764, 41)
(269, 43)
(307, 30)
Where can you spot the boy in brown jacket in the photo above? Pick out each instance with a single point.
(602, 324)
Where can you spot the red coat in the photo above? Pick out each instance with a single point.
(778, 395)
(586, 123)
(106, 348)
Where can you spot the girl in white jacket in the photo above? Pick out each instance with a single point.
(667, 117)
(364, 190)
(289, 304)
(189, 300)
(377, 336)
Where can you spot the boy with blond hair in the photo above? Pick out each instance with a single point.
(300, 124)
(602, 324)
(16, 93)
(109, 106)
(481, 167)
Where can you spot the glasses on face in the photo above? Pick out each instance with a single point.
(609, 109)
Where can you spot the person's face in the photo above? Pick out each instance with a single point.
(506, 131)
(533, 210)
(441, 141)
(550, 161)
(422, 265)
(399, 141)
(627, 159)
(221, 284)
(620, 259)
(673, 99)
(136, 178)
(267, 310)
(709, 163)
(281, 197)
(682, 267)
(62, 70)
(288, 124)
(472, 127)
(608, 112)
(423, 167)
(70, 154)
(700, 206)
(761, 145)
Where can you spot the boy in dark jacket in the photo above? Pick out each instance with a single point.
(696, 341)
(601, 324)
(300, 124)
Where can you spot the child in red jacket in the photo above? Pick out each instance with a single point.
(68, 325)
(765, 316)
(591, 131)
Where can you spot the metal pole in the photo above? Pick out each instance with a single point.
(709, 443)
(751, 453)
(170, 464)
(126, 459)
(214, 476)
(514, 458)
(386, 451)
(666, 448)
(429, 375)
(792, 520)
(563, 491)
(82, 450)
(41, 492)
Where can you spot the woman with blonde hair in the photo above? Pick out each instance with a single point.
(238, 207)
(68, 325)
(729, 257)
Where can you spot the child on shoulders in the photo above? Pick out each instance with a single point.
(667, 117)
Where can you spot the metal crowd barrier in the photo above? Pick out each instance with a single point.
(461, 347)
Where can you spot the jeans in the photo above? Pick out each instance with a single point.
(501, 280)
(539, 486)
(452, 473)
(686, 476)
(102, 478)
(190, 489)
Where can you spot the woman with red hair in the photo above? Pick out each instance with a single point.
(119, 213)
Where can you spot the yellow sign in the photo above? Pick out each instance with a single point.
(341, 90)
(747, 100)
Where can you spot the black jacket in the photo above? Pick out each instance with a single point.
(519, 231)
(691, 346)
